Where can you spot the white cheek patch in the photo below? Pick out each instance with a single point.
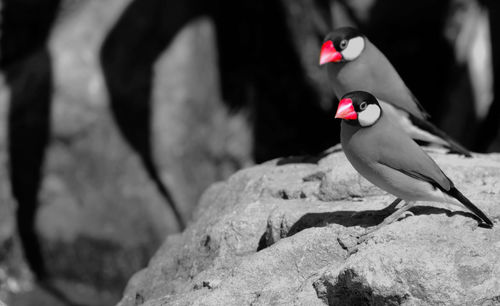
(354, 48)
(369, 116)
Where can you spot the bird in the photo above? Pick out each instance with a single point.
(354, 63)
(390, 159)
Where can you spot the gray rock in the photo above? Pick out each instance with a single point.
(101, 218)
(277, 234)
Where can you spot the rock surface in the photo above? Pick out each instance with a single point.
(101, 218)
(276, 234)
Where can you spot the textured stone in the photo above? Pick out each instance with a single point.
(101, 218)
(269, 236)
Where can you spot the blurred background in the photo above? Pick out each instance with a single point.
(115, 115)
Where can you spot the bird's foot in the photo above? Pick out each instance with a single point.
(352, 245)
(362, 238)
(366, 235)
(391, 208)
(405, 215)
(401, 212)
(352, 249)
(348, 242)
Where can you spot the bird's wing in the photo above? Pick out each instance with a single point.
(401, 153)
(393, 90)
(419, 105)
(390, 87)
(427, 126)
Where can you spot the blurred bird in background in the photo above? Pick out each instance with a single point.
(441, 58)
(354, 63)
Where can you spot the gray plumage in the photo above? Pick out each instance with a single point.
(369, 70)
(387, 157)
(372, 72)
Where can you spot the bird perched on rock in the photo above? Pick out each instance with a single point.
(354, 63)
(387, 157)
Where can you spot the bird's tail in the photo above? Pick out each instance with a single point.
(431, 128)
(473, 208)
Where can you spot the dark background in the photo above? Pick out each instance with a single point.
(118, 114)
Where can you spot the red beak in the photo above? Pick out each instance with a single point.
(329, 54)
(346, 110)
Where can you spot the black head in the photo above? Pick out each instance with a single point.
(342, 45)
(360, 107)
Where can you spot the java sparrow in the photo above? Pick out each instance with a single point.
(388, 158)
(354, 63)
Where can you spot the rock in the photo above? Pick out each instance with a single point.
(101, 218)
(424, 266)
(278, 233)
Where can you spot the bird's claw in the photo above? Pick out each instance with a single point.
(364, 237)
(406, 214)
(353, 248)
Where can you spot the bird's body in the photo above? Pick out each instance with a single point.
(381, 80)
(387, 157)
(354, 63)
(375, 163)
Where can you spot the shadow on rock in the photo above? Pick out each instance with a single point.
(350, 218)
(364, 219)
(350, 290)
(308, 159)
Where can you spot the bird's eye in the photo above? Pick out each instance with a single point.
(343, 44)
(363, 105)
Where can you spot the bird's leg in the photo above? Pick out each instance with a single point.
(393, 217)
(391, 207)
(386, 210)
